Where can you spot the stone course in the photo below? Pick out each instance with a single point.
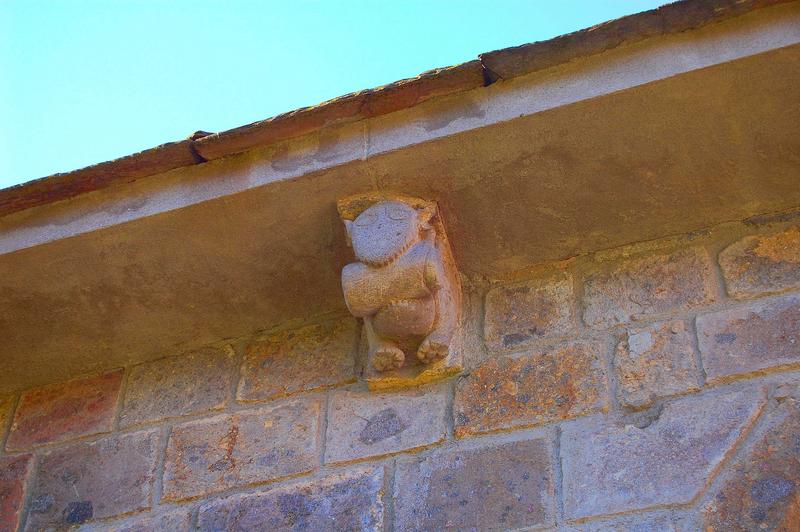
(196, 382)
(761, 264)
(242, 448)
(531, 389)
(172, 521)
(750, 338)
(519, 313)
(14, 473)
(64, 411)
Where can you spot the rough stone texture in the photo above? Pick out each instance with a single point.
(758, 264)
(542, 308)
(614, 468)
(14, 472)
(345, 501)
(660, 521)
(243, 448)
(464, 490)
(175, 521)
(87, 481)
(175, 386)
(507, 392)
(649, 285)
(750, 338)
(303, 359)
(66, 410)
(655, 361)
(761, 489)
(6, 404)
(362, 424)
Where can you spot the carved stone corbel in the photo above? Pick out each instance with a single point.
(404, 286)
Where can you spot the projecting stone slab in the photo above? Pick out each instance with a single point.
(610, 468)
(759, 264)
(346, 501)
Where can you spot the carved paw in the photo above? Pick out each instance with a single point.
(432, 350)
(387, 358)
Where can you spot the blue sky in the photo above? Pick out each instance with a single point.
(84, 81)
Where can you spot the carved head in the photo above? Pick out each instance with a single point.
(384, 231)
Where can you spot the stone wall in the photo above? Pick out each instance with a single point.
(651, 387)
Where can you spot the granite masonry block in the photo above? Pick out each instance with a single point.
(666, 459)
(501, 487)
(195, 382)
(66, 410)
(95, 480)
(527, 390)
(646, 286)
(519, 313)
(655, 361)
(761, 264)
(312, 357)
(349, 500)
(750, 338)
(179, 520)
(364, 424)
(246, 447)
(761, 489)
(14, 473)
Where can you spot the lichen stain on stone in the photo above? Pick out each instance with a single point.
(78, 512)
(783, 247)
(227, 443)
(381, 426)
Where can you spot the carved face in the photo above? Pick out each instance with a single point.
(384, 231)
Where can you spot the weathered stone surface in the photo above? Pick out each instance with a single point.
(655, 361)
(758, 264)
(347, 501)
(96, 480)
(362, 424)
(614, 468)
(243, 448)
(647, 286)
(66, 410)
(507, 392)
(173, 521)
(761, 489)
(14, 473)
(542, 308)
(6, 404)
(175, 386)
(315, 356)
(760, 335)
(502, 487)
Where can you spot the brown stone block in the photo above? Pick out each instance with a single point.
(646, 286)
(195, 382)
(503, 487)
(246, 447)
(516, 314)
(507, 392)
(66, 410)
(288, 362)
(752, 338)
(363, 424)
(6, 405)
(14, 473)
(96, 480)
(655, 361)
(351, 500)
(760, 264)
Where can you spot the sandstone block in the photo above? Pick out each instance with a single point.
(655, 361)
(14, 473)
(760, 335)
(174, 521)
(646, 286)
(246, 447)
(96, 480)
(503, 487)
(758, 264)
(346, 501)
(6, 405)
(611, 468)
(299, 360)
(64, 411)
(363, 424)
(195, 382)
(529, 390)
(516, 314)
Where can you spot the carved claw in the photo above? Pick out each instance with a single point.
(431, 350)
(387, 358)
